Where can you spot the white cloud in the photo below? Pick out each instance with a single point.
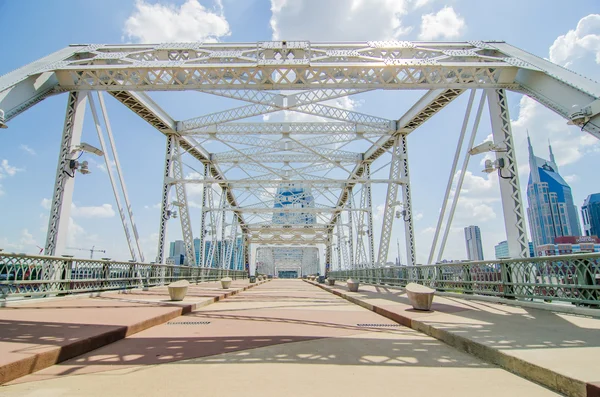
(569, 144)
(27, 238)
(153, 206)
(578, 42)
(421, 3)
(8, 170)
(571, 178)
(46, 203)
(446, 23)
(418, 216)
(1, 191)
(102, 211)
(28, 149)
(191, 22)
(326, 20)
(102, 166)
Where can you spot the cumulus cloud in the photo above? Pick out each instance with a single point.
(569, 143)
(101, 211)
(27, 149)
(325, 20)
(7, 169)
(578, 42)
(422, 3)
(157, 23)
(446, 24)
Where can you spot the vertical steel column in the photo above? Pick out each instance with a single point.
(223, 250)
(247, 253)
(184, 212)
(370, 216)
(60, 211)
(409, 231)
(328, 251)
(350, 233)
(203, 218)
(390, 202)
(164, 205)
(512, 204)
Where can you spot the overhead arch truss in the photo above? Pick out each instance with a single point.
(305, 183)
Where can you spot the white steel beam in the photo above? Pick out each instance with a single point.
(60, 211)
(510, 191)
(109, 171)
(295, 128)
(184, 212)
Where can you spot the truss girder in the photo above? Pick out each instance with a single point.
(510, 190)
(429, 104)
(304, 102)
(184, 213)
(295, 128)
(348, 158)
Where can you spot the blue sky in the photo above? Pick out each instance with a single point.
(29, 148)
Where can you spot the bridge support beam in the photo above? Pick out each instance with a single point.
(164, 206)
(64, 184)
(512, 204)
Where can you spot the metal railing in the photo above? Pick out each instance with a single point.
(568, 278)
(34, 276)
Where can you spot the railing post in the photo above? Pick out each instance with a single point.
(507, 287)
(468, 279)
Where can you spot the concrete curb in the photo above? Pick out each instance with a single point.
(553, 380)
(34, 363)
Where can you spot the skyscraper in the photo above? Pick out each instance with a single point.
(551, 211)
(474, 246)
(590, 212)
(290, 196)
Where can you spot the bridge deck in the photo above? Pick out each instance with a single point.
(285, 337)
(556, 349)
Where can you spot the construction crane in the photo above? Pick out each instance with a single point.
(92, 250)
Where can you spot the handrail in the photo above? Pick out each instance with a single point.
(569, 278)
(23, 275)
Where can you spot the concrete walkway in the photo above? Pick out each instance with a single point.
(282, 338)
(39, 333)
(560, 351)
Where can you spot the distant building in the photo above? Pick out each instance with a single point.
(570, 245)
(473, 241)
(590, 212)
(502, 250)
(177, 251)
(551, 210)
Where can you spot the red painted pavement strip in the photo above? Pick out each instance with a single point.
(593, 389)
(39, 334)
(243, 322)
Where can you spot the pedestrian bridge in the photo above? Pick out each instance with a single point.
(295, 194)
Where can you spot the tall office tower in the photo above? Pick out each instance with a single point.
(551, 211)
(177, 251)
(290, 196)
(590, 212)
(473, 240)
(285, 260)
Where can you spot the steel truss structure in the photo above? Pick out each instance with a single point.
(332, 161)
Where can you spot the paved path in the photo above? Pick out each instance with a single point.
(282, 338)
(40, 333)
(561, 351)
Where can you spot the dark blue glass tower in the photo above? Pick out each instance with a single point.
(551, 211)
